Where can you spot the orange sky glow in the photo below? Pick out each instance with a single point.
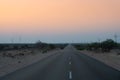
(58, 16)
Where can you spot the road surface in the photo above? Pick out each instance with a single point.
(68, 64)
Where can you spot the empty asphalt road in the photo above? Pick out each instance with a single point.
(68, 64)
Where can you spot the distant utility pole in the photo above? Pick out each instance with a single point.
(115, 36)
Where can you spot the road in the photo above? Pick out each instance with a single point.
(68, 64)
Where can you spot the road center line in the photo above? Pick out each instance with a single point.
(70, 75)
(70, 63)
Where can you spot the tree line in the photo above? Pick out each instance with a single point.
(104, 46)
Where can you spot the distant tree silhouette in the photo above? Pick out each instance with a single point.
(95, 46)
(108, 45)
(1, 47)
(52, 46)
(104, 46)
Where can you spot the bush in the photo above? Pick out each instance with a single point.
(104, 46)
(41, 45)
(108, 45)
(80, 47)
(52, 46)
(1, 47)
(95, 46)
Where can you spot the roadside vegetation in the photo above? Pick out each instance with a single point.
(104, 46)
(15, 50)
(49, 46)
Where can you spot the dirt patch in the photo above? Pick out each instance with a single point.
(112, 58)
(21, 58)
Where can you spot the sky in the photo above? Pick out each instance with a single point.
(59, 21)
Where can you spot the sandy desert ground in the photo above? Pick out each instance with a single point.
(16, 59)
(111, 58)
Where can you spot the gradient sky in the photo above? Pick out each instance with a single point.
(59, 20)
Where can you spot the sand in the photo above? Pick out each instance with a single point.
(111, 58)
(12, 63)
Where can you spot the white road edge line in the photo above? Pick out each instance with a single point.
(70, 75)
